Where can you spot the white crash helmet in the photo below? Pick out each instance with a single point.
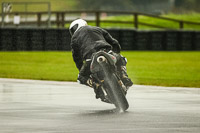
(76, 24)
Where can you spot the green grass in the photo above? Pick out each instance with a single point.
(56, 5)
(148, 68)
(38, 65)
(165, 68)
(63, 5)
(193, 17)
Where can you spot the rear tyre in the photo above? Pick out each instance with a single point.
(114, 90)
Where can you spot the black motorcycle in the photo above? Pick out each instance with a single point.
(104, 72)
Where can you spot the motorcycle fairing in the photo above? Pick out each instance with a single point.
(94, 67)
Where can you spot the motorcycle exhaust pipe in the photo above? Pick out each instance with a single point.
(101, 59)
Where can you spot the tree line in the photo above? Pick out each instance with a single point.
(127, 5)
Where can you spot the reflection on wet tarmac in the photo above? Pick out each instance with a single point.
(53, 107)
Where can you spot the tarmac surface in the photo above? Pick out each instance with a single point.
(32, 106)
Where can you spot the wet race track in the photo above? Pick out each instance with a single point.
(28, 106)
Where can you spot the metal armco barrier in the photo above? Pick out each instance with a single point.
(23, 39)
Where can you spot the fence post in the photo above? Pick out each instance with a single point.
(181, 25)
(38, 19)
(63, 19)
(97, 18)
(136, 20)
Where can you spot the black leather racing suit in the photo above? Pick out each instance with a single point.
(86, 41)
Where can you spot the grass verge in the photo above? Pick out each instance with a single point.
(147, 68)
(193, 17)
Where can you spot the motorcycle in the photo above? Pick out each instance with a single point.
(104, 72)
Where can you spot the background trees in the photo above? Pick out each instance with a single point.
(141, 5)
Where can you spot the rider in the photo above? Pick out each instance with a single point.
(87, 40)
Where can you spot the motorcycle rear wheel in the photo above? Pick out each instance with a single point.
(114, 90)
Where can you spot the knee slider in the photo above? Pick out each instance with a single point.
(123, 61)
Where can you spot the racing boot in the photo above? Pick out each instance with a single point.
(124, 77)
(96, 87)
(98, 91)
